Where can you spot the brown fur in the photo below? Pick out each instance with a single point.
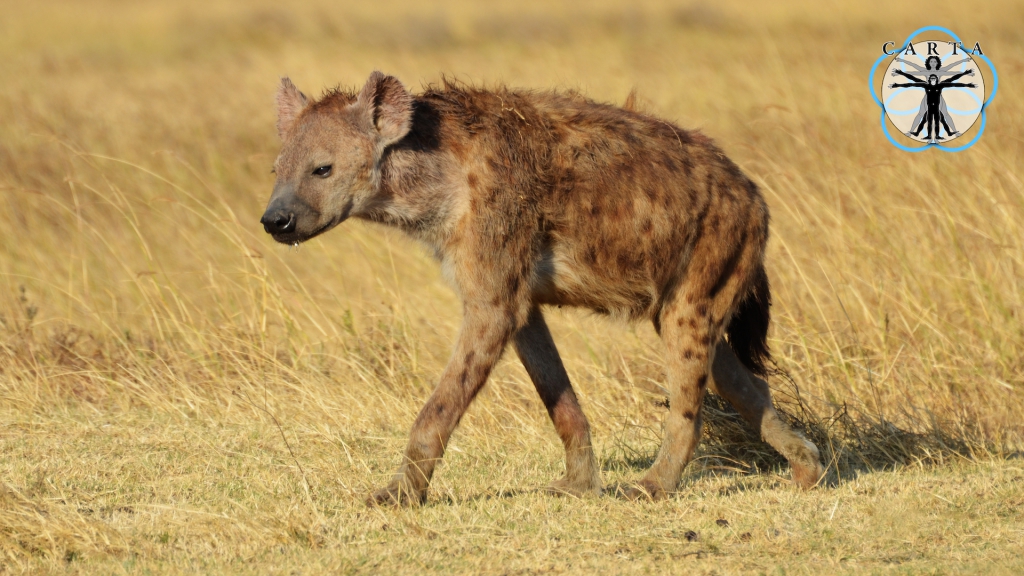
(544, 198)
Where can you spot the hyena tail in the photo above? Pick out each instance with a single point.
(748, 329)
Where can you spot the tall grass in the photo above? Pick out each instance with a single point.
(135, 279)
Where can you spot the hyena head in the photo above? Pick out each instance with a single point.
(329, 165)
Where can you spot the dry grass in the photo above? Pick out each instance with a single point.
(179, 394)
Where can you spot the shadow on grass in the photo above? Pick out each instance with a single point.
(851, 441)
(501, 494)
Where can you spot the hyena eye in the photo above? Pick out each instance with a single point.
(322, 171)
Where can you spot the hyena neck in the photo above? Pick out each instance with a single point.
(413, 192)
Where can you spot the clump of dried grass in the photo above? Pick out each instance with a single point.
(32, 526)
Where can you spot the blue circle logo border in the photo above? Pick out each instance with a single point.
(984, 107)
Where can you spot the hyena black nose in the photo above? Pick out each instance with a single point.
(278, 222)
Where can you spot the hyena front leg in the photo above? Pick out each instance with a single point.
(539, 356)
(751, 397)
(485, 332)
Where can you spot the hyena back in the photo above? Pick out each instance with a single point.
(544, 198)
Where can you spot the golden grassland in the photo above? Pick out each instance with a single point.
(177, 393)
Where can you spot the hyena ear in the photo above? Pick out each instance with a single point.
(388, 106)
(290, 103)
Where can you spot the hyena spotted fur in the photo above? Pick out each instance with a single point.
(534, 198)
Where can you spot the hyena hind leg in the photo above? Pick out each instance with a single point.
(687, 330)
(750, 396)
(539, 356)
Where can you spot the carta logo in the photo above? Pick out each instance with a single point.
(933, 91)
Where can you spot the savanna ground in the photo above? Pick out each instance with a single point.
(179, 394)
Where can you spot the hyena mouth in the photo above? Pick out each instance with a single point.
(295, 239)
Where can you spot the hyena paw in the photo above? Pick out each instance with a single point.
(397, 494)
(806, 475)
(564, 486)
(805, 462)
(642, 490)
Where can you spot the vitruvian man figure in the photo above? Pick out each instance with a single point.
(934, 113)
(933, 65)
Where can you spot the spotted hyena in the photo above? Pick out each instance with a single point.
(534, 198)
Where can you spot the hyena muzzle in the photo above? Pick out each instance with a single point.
(534, 198)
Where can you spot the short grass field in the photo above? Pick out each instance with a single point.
(180, 394)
